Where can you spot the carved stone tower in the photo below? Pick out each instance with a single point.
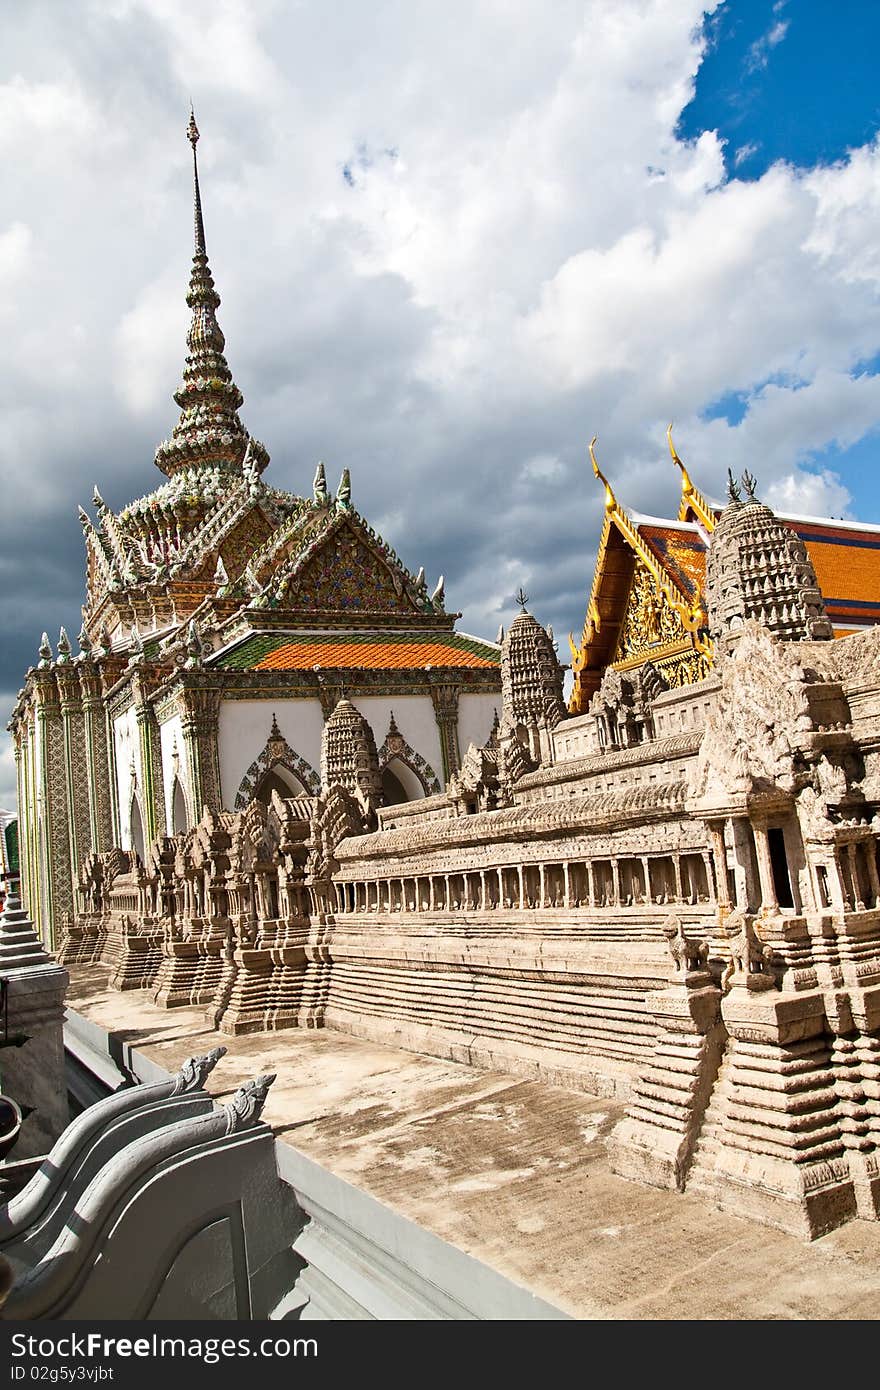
(531, 687)
(349, 758)
(759, 568)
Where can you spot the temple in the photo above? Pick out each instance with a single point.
(272, 787)
(224, 621)
(649, 603)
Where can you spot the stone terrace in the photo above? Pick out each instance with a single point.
(513, 1172)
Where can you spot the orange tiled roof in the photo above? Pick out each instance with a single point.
(846, 560)
(374, 651)
(681, 552)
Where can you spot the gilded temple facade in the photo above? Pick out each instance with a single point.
(648, 602)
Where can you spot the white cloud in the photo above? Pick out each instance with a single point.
(759, 53)
(526, 254)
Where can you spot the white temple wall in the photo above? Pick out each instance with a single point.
(127, 750)
(245, 726)
(415, 718)
(475, 716)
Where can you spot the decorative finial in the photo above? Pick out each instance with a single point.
(343, 494)
(734, 496)
(193, 645)
(522, 598)
(439, 593)
(686, 484)
(275, 732)
(45, 652)
(420, 578)
(85, 642)
(221, 578)
(64, 647)
(192, 130)
(319, 487)
(500, 637)
(610, 502)
(749, 482)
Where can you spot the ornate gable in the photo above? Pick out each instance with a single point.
(347, 569)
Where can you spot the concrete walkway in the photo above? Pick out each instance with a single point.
(513, 1172)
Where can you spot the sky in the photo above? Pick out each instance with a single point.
(453, 241)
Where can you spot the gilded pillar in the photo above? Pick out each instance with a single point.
(56, 898)
(97, 760)
(75, 766)
(201, 729)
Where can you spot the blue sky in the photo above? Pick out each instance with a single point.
(788, 79)
(793, 81)
(453, 241)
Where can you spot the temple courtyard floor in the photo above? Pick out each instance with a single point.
(513, 1172)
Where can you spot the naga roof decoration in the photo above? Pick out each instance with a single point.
(628, 591)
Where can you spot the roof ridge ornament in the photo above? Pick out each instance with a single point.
(749, 482)
(692, 499)
(734, 495)
(610, 499)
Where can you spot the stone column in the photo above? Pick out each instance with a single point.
(719, 858)
(445, 700)
(566, 886)
(615, 879)
(646, 870)
(519, 870)
(852, 853)
(765, 869)
(676, 869)
(589, 874)
(873, 877)
(541, 885)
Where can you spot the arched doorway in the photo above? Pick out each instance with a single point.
(400, 783)
(178, 809)
(279, 779)
(136, 830)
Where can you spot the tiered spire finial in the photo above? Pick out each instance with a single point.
(209, 432)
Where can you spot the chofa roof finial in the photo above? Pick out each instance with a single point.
(749, 482)
(522, 598)
(610, 500)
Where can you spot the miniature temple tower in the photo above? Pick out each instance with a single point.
(759, 568)
(349, 758)
(531, 686)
